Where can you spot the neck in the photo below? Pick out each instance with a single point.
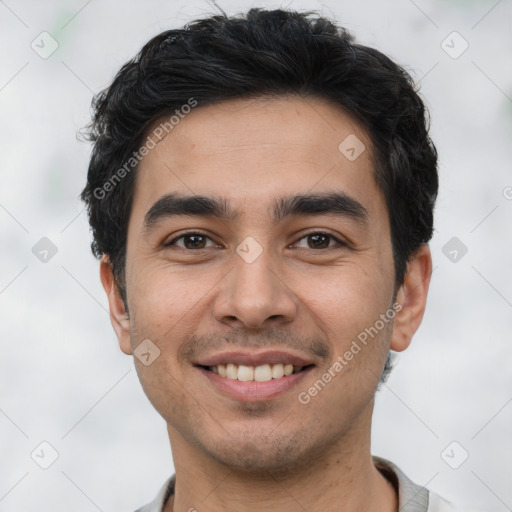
(343, 479)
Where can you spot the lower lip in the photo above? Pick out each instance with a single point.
(252, 391)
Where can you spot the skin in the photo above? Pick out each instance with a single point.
(278, 454)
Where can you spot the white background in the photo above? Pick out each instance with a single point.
(62, 377)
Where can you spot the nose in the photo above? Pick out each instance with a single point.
(254, 295)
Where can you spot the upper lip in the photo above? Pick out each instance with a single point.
(254, 359)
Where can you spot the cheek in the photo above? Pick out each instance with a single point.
(165, 311)
(163, 302)
(159, 284)
(349, 298)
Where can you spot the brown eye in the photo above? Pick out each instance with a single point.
(194, 241)
(319, 241)
(190, 241)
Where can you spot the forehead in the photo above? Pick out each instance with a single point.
(251, 151)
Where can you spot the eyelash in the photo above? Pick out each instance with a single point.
(192, 233)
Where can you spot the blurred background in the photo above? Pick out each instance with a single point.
(76, 430)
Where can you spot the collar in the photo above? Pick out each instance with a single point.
(411, 497)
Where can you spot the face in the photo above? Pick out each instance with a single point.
(256, 247)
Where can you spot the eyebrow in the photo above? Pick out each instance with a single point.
(334, 203)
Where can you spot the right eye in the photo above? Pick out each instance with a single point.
(192, 241)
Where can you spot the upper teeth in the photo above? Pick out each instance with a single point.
(262, 373)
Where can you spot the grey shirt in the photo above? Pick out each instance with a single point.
(411, 497)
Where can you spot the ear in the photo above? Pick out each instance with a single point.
(118, 316)
(412, 296)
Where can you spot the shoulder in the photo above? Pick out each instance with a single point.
(411, 496)
(158, 504)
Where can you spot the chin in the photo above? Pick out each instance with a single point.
(258, 454)
(255, 460)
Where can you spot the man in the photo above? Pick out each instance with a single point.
(261, 194)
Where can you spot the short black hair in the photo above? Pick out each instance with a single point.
(262, 53)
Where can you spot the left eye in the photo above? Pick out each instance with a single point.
(319, 241)
(192, 241)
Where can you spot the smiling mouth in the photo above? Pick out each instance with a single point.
(262, 373)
